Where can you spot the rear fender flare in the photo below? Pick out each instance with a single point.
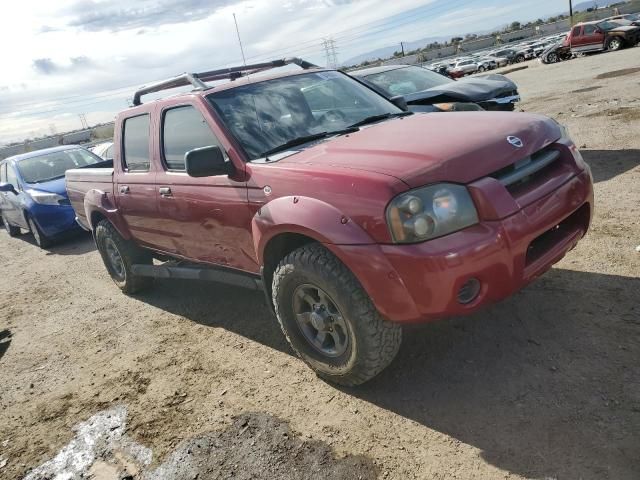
(99, 201)
(305, 216)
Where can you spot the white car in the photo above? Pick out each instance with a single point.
(464, 67)
(104, 150)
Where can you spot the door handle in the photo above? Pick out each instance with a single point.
(165, 191)
(124, 189)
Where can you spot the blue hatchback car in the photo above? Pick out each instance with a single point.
(33, 194)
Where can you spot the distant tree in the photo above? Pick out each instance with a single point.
(515, 26)
(456, 40)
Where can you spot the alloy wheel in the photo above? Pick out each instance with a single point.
(320, 321)
(114, 258)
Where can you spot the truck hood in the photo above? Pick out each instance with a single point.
(473, 89)
(624, 28)
(52, 186)
(434, 147)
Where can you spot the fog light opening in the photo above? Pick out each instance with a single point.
(469, 291)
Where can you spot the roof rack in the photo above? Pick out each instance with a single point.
(198, 79)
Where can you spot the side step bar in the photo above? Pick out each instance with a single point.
(198, 272)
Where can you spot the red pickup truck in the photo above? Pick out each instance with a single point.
(601, 35)
(354, 215)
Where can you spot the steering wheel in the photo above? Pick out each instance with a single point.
(333, 116)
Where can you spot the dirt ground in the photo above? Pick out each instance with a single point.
(543, 385)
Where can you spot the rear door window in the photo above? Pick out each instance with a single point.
(184, 129)
(576, 31)
(136, 144)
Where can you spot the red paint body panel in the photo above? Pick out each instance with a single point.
(337, 192)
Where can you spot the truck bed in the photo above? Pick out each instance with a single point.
(79, 181)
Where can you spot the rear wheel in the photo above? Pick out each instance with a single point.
(41, 239)
(11, 230)
(119, 255)
(481, 68)
(329, 319)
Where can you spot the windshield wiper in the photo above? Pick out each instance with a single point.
(43, 180)
(377, 118)
(306, 139)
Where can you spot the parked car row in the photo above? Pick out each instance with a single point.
(354, 214)
(486, 60)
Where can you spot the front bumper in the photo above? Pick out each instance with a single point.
(503, 104)
(54, 220)
(417, 283)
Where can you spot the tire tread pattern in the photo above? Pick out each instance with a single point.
(130, 253)
(382, 338)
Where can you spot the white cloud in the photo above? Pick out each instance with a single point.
(74, 56)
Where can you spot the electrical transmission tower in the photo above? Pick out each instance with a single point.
(83, 120)
(330, 52)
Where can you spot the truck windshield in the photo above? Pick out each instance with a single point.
(402, 81)
(266, 115)
(51, 166)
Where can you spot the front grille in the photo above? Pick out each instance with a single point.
(523, 171)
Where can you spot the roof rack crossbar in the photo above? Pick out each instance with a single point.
(197, 80)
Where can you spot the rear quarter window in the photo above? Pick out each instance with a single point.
(136, 144)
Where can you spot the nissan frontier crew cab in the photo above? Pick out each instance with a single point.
(353, 215)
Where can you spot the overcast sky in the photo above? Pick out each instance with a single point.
(65, 57)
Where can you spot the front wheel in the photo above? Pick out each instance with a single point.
(119, 255)
(614, 44)
(328, 318)
(11, 230)
(41, 239)
(481, 69)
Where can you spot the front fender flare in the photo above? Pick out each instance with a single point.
(100, 202)
(306, 216)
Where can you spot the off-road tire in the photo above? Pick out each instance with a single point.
(614, 44)
(129, 253)
(41, 239)
(10, 229)
(373, 341)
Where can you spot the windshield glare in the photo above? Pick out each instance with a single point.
(403, 81)
(265, 115)
(606, 26)
(53, 165)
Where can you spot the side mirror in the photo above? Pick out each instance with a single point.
(206, 162)
(400, 102)
(7, 187)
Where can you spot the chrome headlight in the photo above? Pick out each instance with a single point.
(45, 198)
(430, 212)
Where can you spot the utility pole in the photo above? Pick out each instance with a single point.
(571, 12)
(402, 47)
(83, 120)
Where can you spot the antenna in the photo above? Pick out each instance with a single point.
(244, 61)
